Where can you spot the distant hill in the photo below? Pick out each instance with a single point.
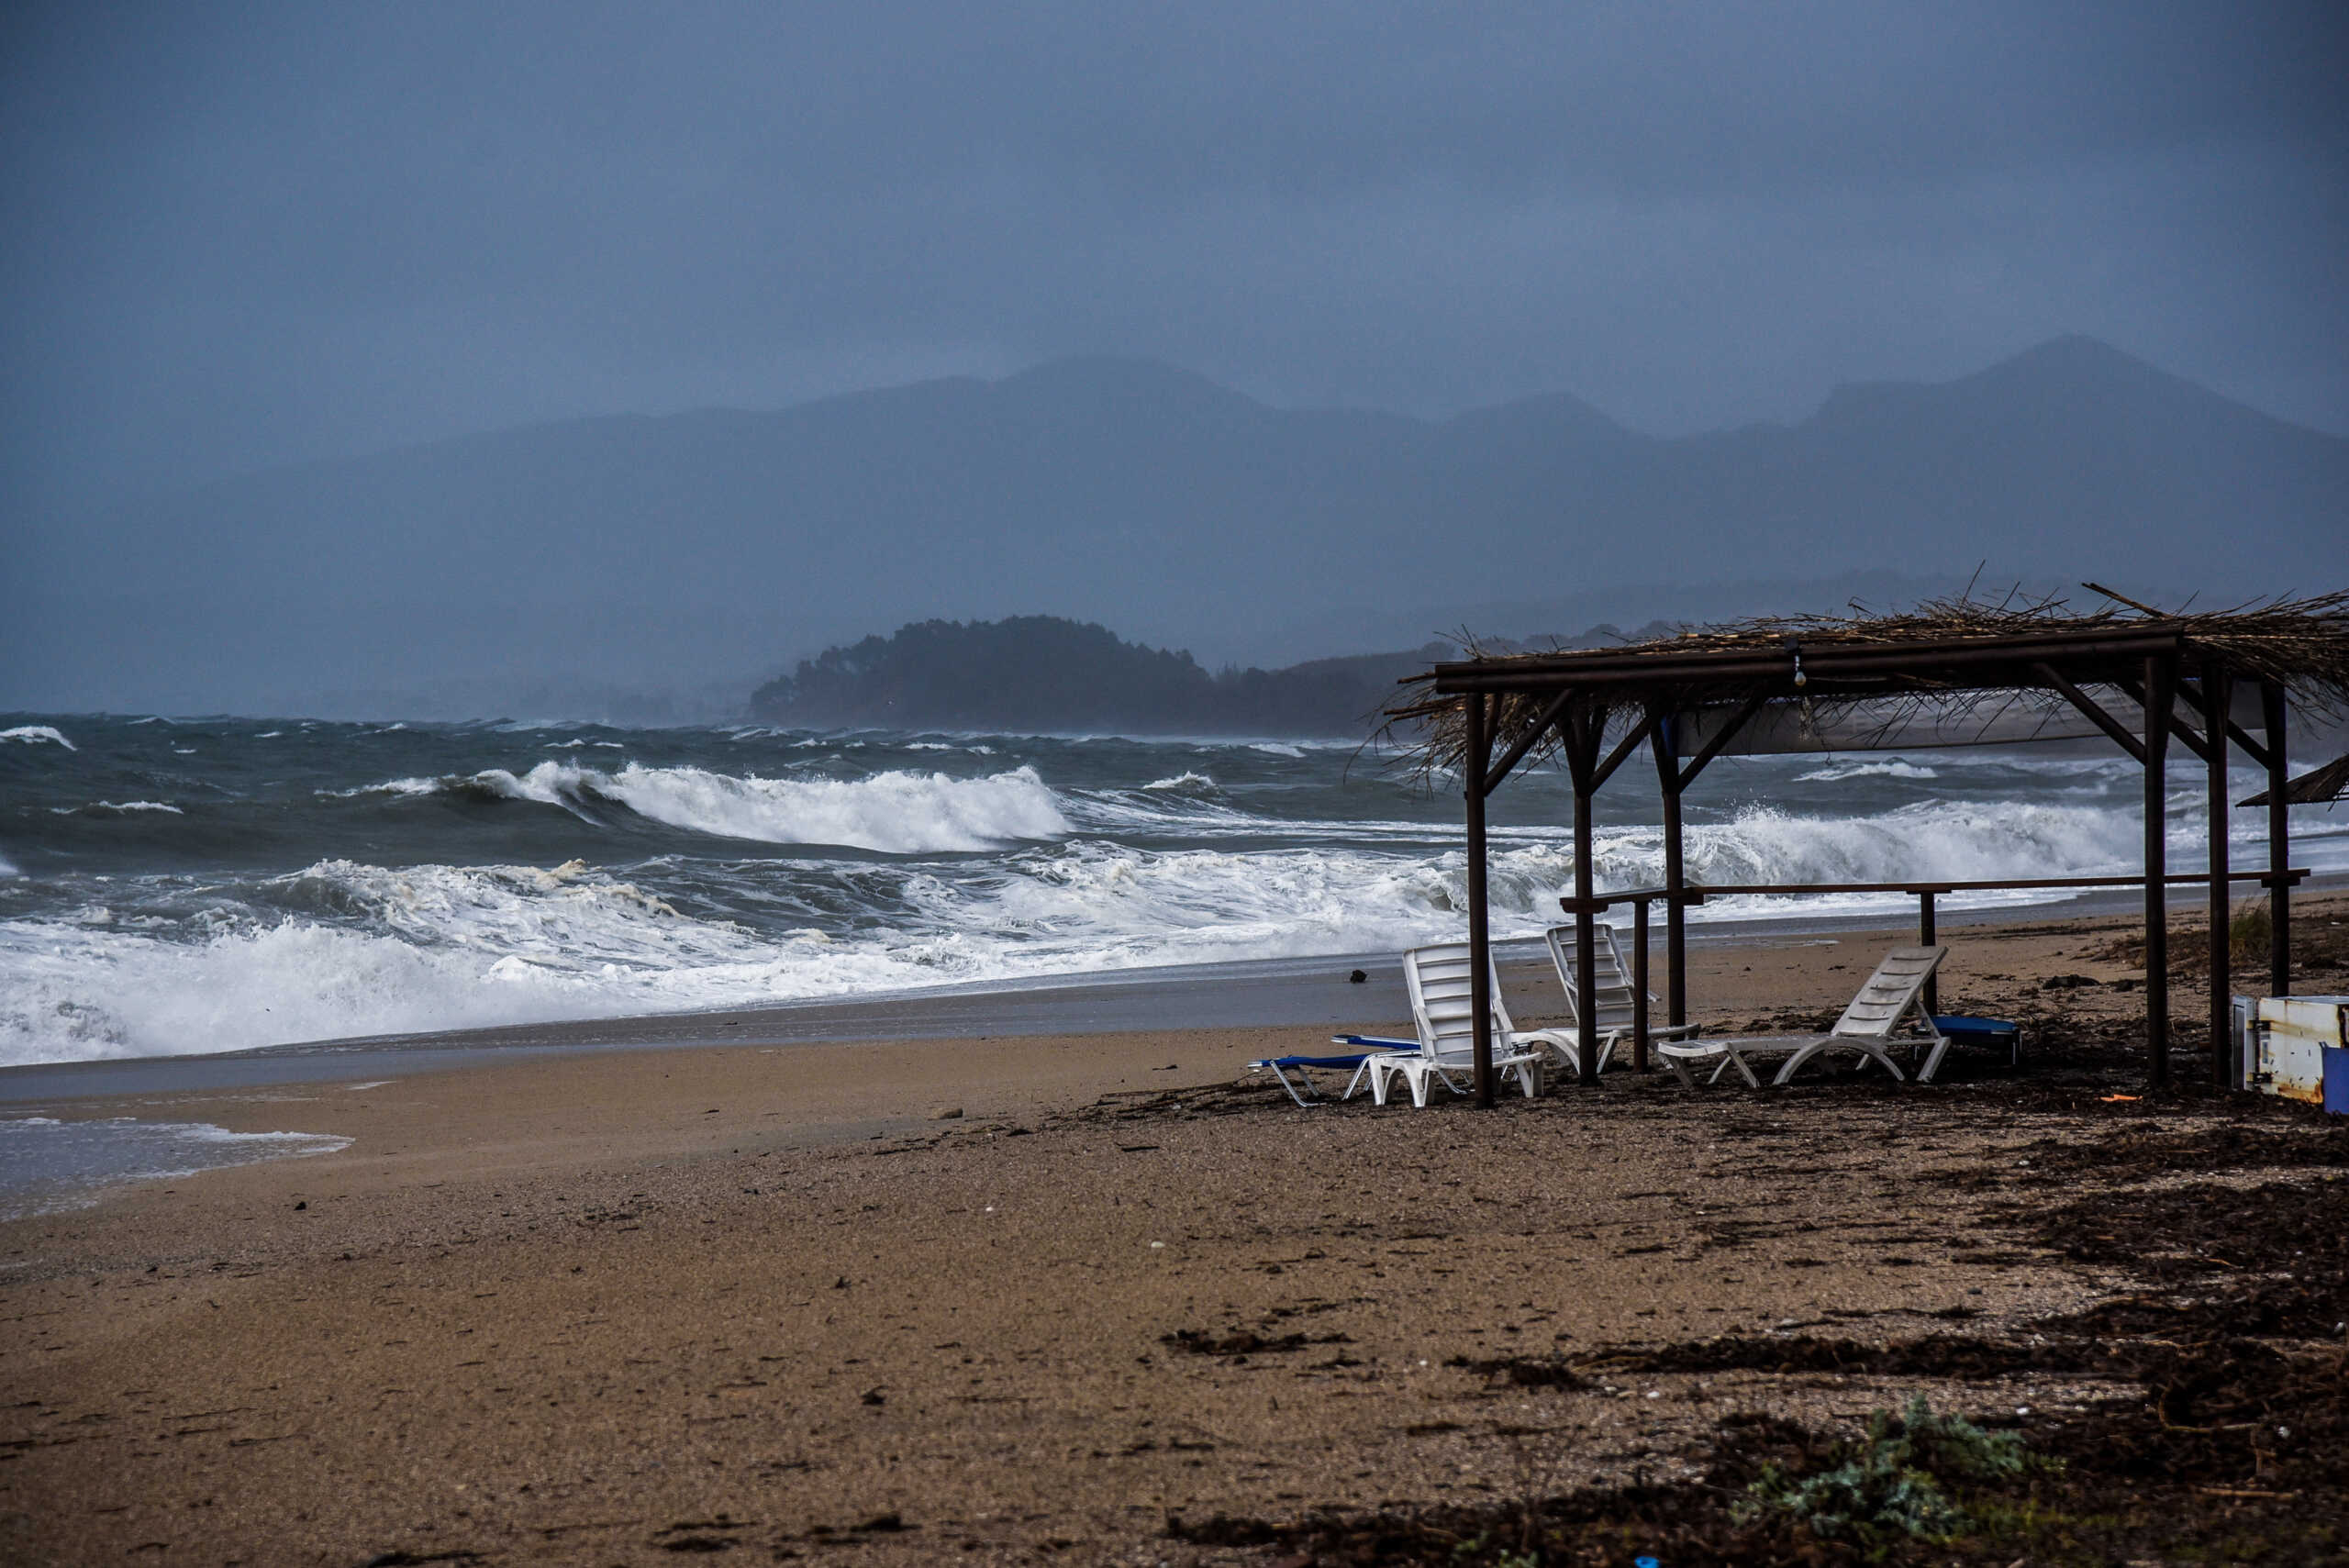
(1046, 674)
(630, 551)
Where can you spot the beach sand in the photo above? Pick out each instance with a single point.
(1025, 1298)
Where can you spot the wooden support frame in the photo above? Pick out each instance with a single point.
(2185, 734)
(2217, 691)
(2184, 686)
(2272, 703)
(2160, 685)
(1721, 738)
(1480, 922)
(1676, 874)
(1933, 992)
(2093, 711)
(1526, 741)
(1582, 737)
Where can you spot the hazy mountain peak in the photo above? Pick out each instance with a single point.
(2063, 374)
(1549, 413)
(1119, 380)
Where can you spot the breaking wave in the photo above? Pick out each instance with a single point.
(1837, 772)
(37, 735)
(736, 867)
(892, 813)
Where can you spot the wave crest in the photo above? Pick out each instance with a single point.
(899, 813)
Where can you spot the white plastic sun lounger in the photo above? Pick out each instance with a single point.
(1616, 997)
(1888, 996)
(1437, 978)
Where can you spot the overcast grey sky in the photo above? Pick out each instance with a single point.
(243, 234)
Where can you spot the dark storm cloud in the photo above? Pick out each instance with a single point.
(242, 234)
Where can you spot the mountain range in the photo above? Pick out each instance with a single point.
(721, 545)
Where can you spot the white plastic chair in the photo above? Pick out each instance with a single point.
(1885, 999)
(1439, 981)
(1616, 997)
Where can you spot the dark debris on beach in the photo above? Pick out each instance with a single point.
(2226, 1438)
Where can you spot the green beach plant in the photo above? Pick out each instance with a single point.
(1893, 1483)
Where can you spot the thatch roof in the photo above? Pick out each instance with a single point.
(1959, 654)
(2318, 787)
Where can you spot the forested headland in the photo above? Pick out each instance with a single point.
(1047, 674)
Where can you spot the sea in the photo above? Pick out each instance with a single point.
(177, 886)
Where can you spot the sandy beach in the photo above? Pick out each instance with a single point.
(1103, 1297)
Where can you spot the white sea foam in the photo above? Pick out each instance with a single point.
(1277, 748)
(47, 1164)
(439, 947)
(116, 808)
(992, 878)
(895, 813)
(1892, 769)
(37, 735)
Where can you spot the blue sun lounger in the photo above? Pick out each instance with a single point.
(1357, 1062)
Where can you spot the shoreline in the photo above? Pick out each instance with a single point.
(1280, 992)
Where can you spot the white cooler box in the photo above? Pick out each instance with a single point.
(2296, 1047)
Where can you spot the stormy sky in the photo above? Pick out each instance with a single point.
(241, 235)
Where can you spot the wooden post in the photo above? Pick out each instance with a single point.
(1640, 985)
(1676, 878)
(1581, 757)
(2217, 694)
(2279, 843)
(1925, 939)
(1480, 942)
(2160, 696)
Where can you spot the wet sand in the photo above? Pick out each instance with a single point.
(770, 1297)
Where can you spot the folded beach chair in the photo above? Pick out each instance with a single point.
(1889, 996)
(1614, 1000)
(1438, 979)
(1296, 1073)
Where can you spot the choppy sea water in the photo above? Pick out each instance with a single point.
(48, 1165)
(170, 886)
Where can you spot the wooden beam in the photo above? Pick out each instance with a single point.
(2217, 691)
(2177, 726)
(2159, 676)
(1624, 749)
(1721, 738)
(2252, 749)
(1676, 877)
(1703, 665)
(1480, 938)
(1526, 741)
(2092, 711)
(2272, 703)
(1582, 750)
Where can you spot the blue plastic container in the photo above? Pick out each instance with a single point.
(1962, 1030)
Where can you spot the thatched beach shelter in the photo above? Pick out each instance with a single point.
(1950, 673)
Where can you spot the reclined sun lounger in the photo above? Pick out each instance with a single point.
(1438, 979)
(1616, 997)
(1888, 996)
(1296, 1073)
